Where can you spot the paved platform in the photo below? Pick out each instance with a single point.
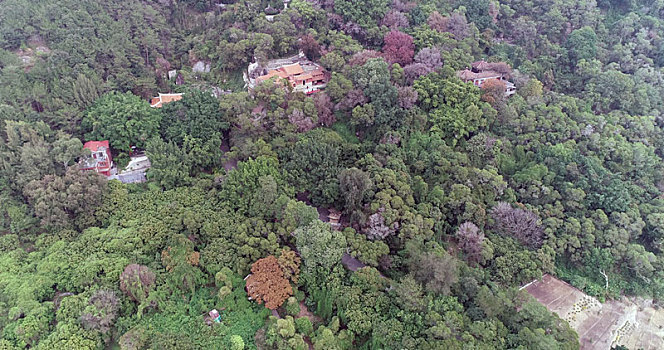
(632, 322)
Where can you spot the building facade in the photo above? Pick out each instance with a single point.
(482, 72)
(309, 81)
(99, 160)
(301, 74)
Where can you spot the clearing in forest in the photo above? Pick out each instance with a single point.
(634, 323)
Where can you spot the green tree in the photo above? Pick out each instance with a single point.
(454, 107)
(338, 86)
(197, 114)
(366, 16)
(314, 165)
(71, 336)
(321, 249)
(353, 184)
(582, 45)
(170, 166)
(86, 90)
(66, 149)
(237, 343)
(374, 79)
(124, 119)
(61, 201)
(254, 186)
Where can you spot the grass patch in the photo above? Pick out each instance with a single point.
(346, 132)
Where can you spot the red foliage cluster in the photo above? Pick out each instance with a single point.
(430, 57)
(310, 47)
(324, 107)
(395, 20)
(360, 58)
(399, 47)
(407, 97)
(455, 24)
(414, 71)
(353, 98)
(302, 121)
(493, 91)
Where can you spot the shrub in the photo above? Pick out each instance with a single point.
(292, 306)
(303, 325)
(236, 342)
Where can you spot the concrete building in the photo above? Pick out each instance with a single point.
(482, 72)
(99, 160)
(134, 172)
(301, 74)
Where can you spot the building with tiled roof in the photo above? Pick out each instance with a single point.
(99, 160)
(162, 99)
(479, 78)
(293, 69)
(301, 74)
(480, 66)
(482, 72)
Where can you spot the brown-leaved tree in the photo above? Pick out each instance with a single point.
(267, 283)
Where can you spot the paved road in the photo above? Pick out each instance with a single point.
(351, 263)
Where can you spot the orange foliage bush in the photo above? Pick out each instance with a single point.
(267, 283)
(493, 91)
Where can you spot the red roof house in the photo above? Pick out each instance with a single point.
(99, 160)
(308, 80)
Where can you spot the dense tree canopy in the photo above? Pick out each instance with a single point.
(123, 119)
(398, 208)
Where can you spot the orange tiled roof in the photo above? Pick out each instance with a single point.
(94, 145)
(158, 101)
(272, 73)
(293, 69)
(466, 74)
(481, 65)
(170, 98)
(303, 77)
(469, 75)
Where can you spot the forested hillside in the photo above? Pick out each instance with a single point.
(451, 195)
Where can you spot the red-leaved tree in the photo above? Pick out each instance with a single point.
(360, 58)
(407, 97)
(324, 107)
(398, 47)
(395, 20)
(493, 91)
(430, 57)
(414, 71)
(137, 281)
